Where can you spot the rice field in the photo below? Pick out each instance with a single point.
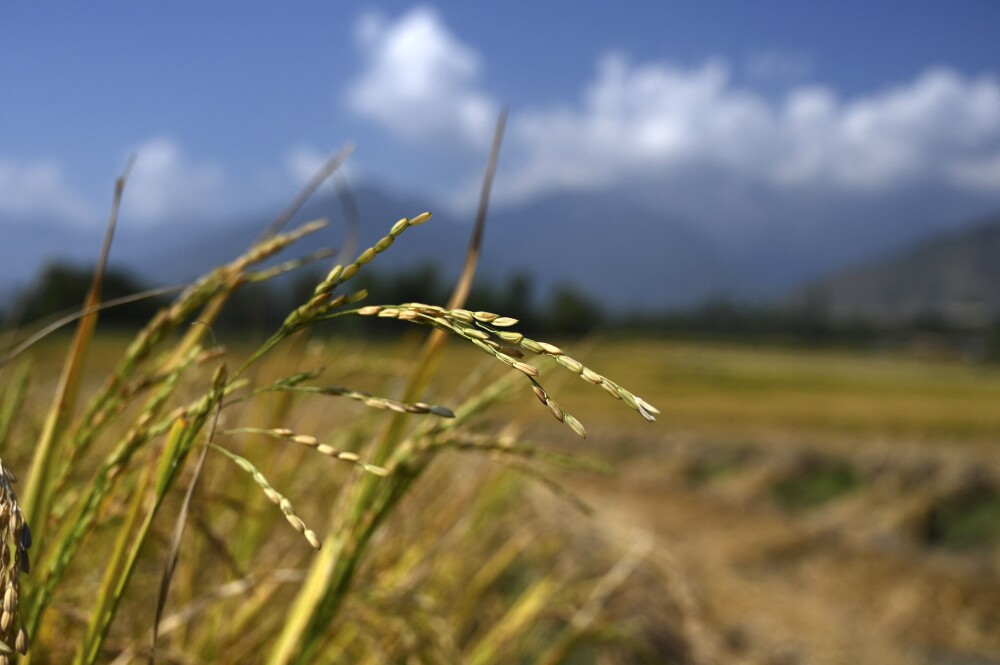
(789, 505)
(466, 494)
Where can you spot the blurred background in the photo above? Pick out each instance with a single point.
(838, 162)
(782, 217)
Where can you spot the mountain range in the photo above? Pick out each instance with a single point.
(627, 251)
(953, 277)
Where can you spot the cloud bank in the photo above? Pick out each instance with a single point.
(648, 123)
(651, 121)
(38, 191)
(168, 186)
(165, 185)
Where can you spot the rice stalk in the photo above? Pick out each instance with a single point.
(178, 445)
(492, 647)
(86, 508)
(311, 441)
(13, 399)
(218, 384)
(15, 541)
(208, 292)
(274, 496)
(104, 598)
(366, 398)
(138, 471)
(473, 327)
(583, 620)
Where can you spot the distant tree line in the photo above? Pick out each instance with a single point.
(61, 288)
(565, 311)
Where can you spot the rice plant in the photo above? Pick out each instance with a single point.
(147, 535)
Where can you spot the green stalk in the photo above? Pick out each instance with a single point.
(329, 578)
(334, 567)
(179, 443)
(103, 605)
(13, 398)
(529, 605)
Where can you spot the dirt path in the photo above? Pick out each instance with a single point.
(762, 586)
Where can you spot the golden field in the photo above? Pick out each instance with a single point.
(789, 505)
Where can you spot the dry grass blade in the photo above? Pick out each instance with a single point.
(109, 233)
(307, 190)
(561, 647)
(34, 338)
(435, 342)
(431, 350)
(464, 284)
(352, 218)
(182, 518)
(37, 493)
(558, 489)
(186, 614)
(287, 266)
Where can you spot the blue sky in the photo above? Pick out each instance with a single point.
(229, 104)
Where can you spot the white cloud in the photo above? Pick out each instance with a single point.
(654, 120)
(648, 119)
(166, 186)
(937, 127)
(30, 191)
(420, 81)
